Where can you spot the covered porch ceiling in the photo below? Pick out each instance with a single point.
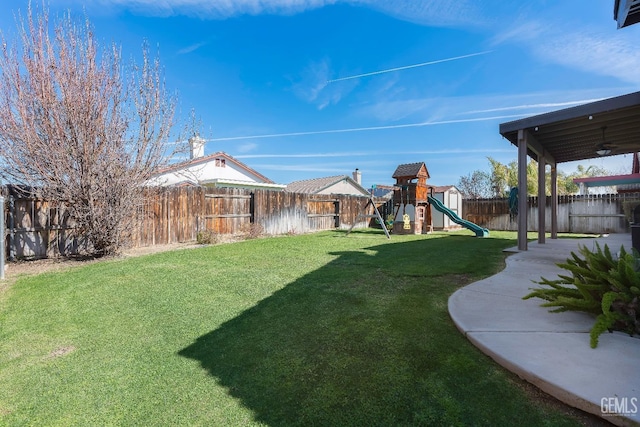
(626, 12)
(576, 133)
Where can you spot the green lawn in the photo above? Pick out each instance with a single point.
(312, 330)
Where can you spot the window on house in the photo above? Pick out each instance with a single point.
(220, 163)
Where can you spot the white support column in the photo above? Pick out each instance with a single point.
(542, 198)
(522, 190)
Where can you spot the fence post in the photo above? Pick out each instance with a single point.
(252, 207)
(12, 226)
(4, 240)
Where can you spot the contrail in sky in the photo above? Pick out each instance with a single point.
(407, 67)
(320, 132)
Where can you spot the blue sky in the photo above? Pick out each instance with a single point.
(299, 89)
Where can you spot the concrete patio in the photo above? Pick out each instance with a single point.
(551, 350)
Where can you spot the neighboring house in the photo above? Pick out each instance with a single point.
(613, 183)
(215, 170)
(383, 191)
(339, 184)
(451, 197)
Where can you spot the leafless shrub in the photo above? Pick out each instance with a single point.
(208, 237)
(80, 126)
(251, 231)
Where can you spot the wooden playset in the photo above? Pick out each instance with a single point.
(410, 199)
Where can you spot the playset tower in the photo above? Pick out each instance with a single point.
(412, 211)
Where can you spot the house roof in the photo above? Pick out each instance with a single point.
(315, 185)
(575, 133)
(411, 170)
(211, 157)
(443, 188)
(606, 181)
(382, 190)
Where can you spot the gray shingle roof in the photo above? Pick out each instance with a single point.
(312, 186)
(442, 188)
(409, 170)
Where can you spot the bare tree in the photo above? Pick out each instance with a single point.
(81, 127)
(476, 185)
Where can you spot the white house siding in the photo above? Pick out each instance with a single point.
(200, 173)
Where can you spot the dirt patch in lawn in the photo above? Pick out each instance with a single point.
(61, 351)
(21, 268)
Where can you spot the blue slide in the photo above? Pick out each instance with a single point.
(480, 232)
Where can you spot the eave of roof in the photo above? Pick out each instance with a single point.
(210, 157)
(626, 12)
(606, 181)
(316, 185)
(573, 133)
(443, 188)
(239, 183)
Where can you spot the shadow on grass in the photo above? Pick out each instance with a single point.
(365, 340)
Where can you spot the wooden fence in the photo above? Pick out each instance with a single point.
(38, 228)
(602, 213)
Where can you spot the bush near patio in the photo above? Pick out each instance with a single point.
(297, 330)
(600, 284)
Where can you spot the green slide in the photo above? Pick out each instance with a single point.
(480, 232)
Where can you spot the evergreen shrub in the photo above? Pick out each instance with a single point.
(601, 284)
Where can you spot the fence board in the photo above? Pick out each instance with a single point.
(602, 213)
(39, 228)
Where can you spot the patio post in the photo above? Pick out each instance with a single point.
(522, 190)
(542, 198)
(554, 201)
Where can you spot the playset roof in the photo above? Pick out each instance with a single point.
(411, 170)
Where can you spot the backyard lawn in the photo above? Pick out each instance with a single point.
(310, 330)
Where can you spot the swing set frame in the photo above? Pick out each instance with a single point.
(363, 214)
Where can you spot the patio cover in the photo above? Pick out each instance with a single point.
(626, 12)
(568, 135)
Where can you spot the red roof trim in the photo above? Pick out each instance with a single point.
(609, 180)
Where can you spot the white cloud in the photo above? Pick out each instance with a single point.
(441, 13)
(610, 55)
(246, 148)
(191, 48)
(373, 153)
(405, 67)
(372, 128)
(596, 48)
(448, 108)
(547, 105)
(216, 9)
(312, 85)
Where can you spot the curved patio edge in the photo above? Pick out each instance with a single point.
(551, 350)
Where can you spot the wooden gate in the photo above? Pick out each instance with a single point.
(227, 213)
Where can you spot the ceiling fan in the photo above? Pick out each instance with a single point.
(604, 148)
